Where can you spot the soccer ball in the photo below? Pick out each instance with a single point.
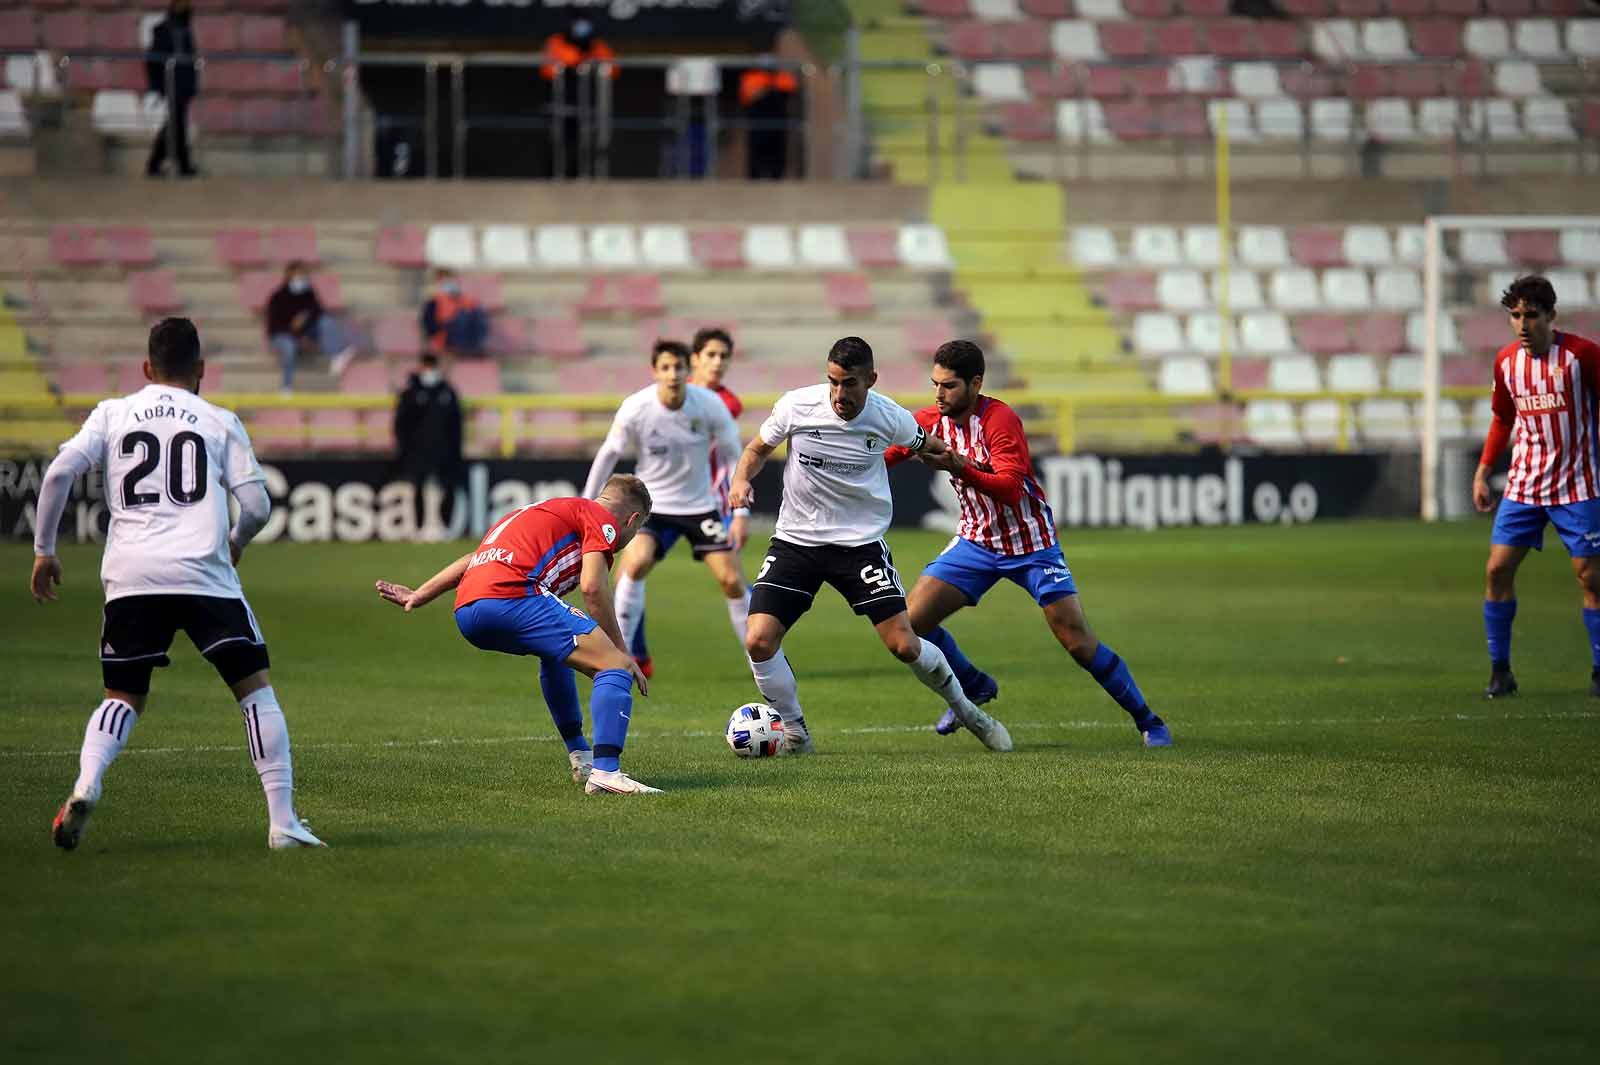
(755, 731)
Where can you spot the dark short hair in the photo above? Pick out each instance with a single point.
(174, 349)
(961, 357)
(851, 353)
(293, 266)
(668, 347)
(707, 335)
(429, 359)
(632, 491)
(1534, 289)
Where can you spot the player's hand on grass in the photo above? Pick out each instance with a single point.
(398, 594)
(739, 531)
(46, 575)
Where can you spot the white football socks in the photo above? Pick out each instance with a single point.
(629, 599)
(103, 739)
(268, 737)
(775, 681)
(933, 670)
(739, 615)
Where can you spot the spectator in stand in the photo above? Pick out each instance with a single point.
(764, 95)
(454, 324)
(564, 52)
(427, 427)
(173, 38)
(297, 324)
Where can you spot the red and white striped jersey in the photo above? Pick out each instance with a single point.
(1002, 506)
(722, 465)
(1549, 402)
(538, 549)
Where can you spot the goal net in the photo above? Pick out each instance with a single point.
(1468, 260)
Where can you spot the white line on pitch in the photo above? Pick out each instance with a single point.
(1201, 727)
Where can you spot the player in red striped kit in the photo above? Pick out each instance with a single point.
(1546, 392)
(1006, 530)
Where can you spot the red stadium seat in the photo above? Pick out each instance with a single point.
(1027, 122)
(1485, 331)
(240, 247)
(487, 289)
(598, 298)
(1105, 82)
(1459, 8)
(398, 335)
(848, 293)
(558, 338)
(1049, 10)
(263, 33)
(1305, 82)
(1416, 81)
(1380, 334)
(217, 34)
(98, 74)
(1463, 373)
(74, 245)
(903, 378)
(128, 245)
(365, 377)
(1317, 246)
(589, 378)
(1131, 120)
(1533, 247)
(66, 31)
(508, 335)
(92, 378)
(718, 249)
(1322, 334)
(640, 294)
(971, 40)
(1307, 8)
(131, 378)
(1467, 78)
(1249, 375)
(1358, 8)
(1022, 40)
(1408, 8)
(116, 33)
(1204, 8)
(1367, 81)
(1153, 81)
(154, 291)
(377, 431)
(1124, 40)
(1177, 38)
(924, 335)
(1184, 119)
(290, 243)
(18, 30)
(278, 430)
(1512, 8)
(1280, 40)
(402, 246)
(552, 430)
(1130, 292)
(1150, 9)
(329, 290)
(874, 246)
(335, 430)
(1436, 38)
(1233, 38)
(215, 114)
(256, 287)
(1591, 118)
(1050, 83)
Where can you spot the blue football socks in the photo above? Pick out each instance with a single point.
(560, 686)
(1497, 624)
(967, 674)
(1111, 671)
(610, 704)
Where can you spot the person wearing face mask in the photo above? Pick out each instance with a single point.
(297, 323)
(454, 323)
(173, 38)
(427, 428)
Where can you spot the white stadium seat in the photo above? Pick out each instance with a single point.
(1385, 421)
(1346, 289)
(1271, 423)
(665, 247)
(1094, 246)
(1201, 246)
(613, 247)
(1264, 333)
(1583, 37)
(1332, 119)
(1295, 288)
(921, 246)
(1397, 288)
(1204, 333)
(1572, 287)
(1495, 119)
(1483, 247)
(1581, 247)
(1181, 290)
(1157, 333)
(32, 75)
(998, 81)
(1546, 118)
(1241, 120)
(1101, 10)
(1076, 39)
(768, 247)
(1367, 246)
(1538, 38)
(1403, 373)
(450, 246)
(1255, 80)
(1452, 427)
(1294, 373)
(1410, 243)
(505, 247)
(130, 113)
(1244, 290)
(1500, 280)
(13, 119)
(1185, 375)
(1081, 120)
(1353, 373)
(1391, 119)
(1517, 77)
(1319, 420)
(1156, 246)
(1416, 333)
(1487, 38)
(1263, 247)
(1385, 38)
(1335, 40)
(995, 10)
(1280, 120)
(1482, 415)
(1439, 119)
(825, 247)
(559, 246)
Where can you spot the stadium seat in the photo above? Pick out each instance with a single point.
(1463, 373)
(1332, 120)
(66, 31)
(999, 81)
(334, 430)
(769, 247)
(1515, 77)
(1572, 287)
(402, 246)
(1202, 246)
(293, 243)
(924, 335)
(397, 335)
(1439, 119)
(1385, 38)
(1481, 417)
(1497, 120)
(508, 336)
(613, 247)
(125, 113)
(1185, 376)
(1353, 373)
(75, 245)
(1264, 333)
(923, 247)
(558, 247)
(1416, 332)
(1452, 427)
(131, 378)
(718, 248)
(1263, 247)
(848, 293)
(84, 378)
(1488, 38)
(505, 247)
(1203, 333)
(263, 33)
(1397, 288)
(1482, 247)
(1248, 375)
(665, 247)
(1182, 290)
(1485, 331)
(487, 289)
(1294, 373)
(1157, 333)
(1130, 292)
(1346, 289)
(1380, 334)
(599, 297)
(451, 246)
(1317, 246)
(1255, 80)
(365, 377)
(1076, 40)
(1244, 290)
(1366, 245)
(1535, 247)
(278, 430)
(1546, 118)
(1294, 289)
(1403, 373)
(875, 247)
(1391, 119)
(944, 8)
(1409, 243)
(1081, 120)
(18, 30)
(1580, 247)
(154, 291)
(971, 41)
(1271, 423)
(476, 377)
(640, 294)
(1583, 38)
(1156, 246)
(255, 288)
(558, 338)
(1323, 334)
(1280, 120)
(1093, 246)
(824, 247)
(1336, 40)
(1319, 423)
(1538, 38)
(1385, 421)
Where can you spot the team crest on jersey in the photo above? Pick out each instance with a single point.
(694, 426)
(872, 442)
(609, 531)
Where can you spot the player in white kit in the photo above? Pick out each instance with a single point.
(171, 460)
(672, 426)
(836, 508)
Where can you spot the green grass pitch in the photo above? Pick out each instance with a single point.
(1347, 857)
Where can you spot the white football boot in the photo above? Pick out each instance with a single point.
(990, 732)
(297, 834)
(796, 741)
(582, 765)
(71, 820)
(602, 782)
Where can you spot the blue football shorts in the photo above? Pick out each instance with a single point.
(1522, 525)
(974, 569)
(539, 625)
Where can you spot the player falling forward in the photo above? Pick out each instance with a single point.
(171, 459)
(835, 509)
(674, 428)
(1006, 530)
(508, 599)
(709, 356)
(1546, 388)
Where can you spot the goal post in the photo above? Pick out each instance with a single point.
(1437, 303)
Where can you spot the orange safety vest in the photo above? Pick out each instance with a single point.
(563, 53)
(754, 84)
(445, 309)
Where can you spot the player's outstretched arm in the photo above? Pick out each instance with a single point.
(54, 491)
(594, 583)
(439, 583)
(754, 456)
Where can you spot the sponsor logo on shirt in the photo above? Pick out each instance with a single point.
(1542, 403)
(815, 462)
(815, 434)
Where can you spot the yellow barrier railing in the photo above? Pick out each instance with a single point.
(1062, 412)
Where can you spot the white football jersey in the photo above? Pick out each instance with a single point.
(674, 446)
(170, 460)
(835, 485)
